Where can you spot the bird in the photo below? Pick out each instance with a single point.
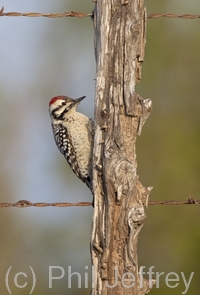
(73, 135)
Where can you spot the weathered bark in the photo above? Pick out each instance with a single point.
(119, 197)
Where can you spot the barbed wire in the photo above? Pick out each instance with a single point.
(173, 15)
(82, 14)
(50, 15)
(26, 204)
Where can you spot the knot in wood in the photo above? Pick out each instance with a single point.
(124, 177)
(136, 216)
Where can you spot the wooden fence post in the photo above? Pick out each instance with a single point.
(119, 197)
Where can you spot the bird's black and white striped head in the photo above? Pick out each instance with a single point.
(59, 106)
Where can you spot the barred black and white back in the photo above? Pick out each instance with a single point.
(73, 134)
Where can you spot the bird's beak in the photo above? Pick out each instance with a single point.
(80, 99)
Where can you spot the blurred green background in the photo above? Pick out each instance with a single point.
(41, 58)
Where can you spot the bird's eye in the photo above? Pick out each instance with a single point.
(64, 103)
